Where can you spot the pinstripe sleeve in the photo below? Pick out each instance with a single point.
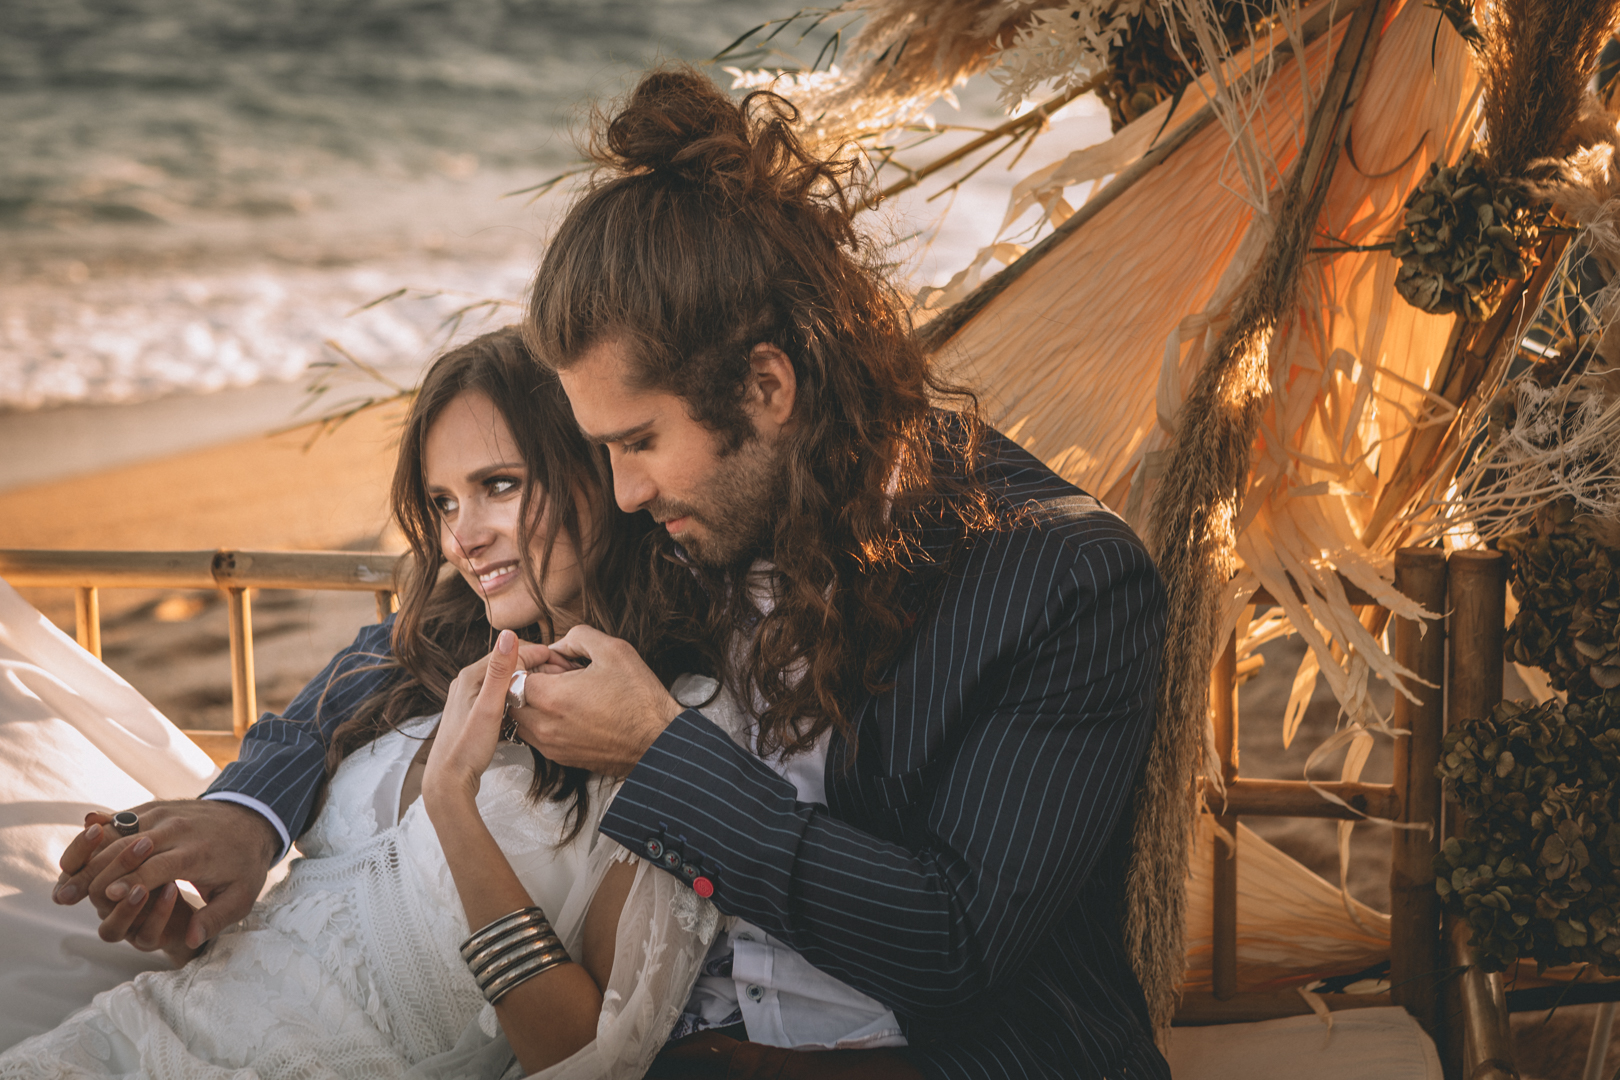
(1014, 815)
(282, 764)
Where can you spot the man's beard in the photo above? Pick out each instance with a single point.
(742, 503)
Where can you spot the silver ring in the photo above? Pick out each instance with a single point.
(514, 700)
(514, 692)
(126, 823)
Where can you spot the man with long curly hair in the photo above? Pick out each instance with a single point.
(943, 655)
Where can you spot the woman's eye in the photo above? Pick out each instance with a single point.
(445, 505)
(501, 485)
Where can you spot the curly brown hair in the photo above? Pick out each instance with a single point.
(441, 626)
(709, 228)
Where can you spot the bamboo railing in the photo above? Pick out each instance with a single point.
(233, 573)
(1465, 1014)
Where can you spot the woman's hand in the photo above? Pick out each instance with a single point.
(470, 727)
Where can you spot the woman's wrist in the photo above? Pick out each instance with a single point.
(447, 797)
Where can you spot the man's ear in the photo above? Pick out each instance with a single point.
(773, 390)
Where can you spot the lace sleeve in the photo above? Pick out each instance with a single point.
(664, 932)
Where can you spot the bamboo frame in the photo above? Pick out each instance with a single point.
(1297, 798)
(244, 691)
(1223, 708)
(87, 619)
(1470, 1023)
(1476, 1029)
(1415, 959)
(235, 573)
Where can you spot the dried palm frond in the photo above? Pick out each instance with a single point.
(1460, 14)
(907, 54)
(1065, 45)
(1289, 921)
(1238, 79)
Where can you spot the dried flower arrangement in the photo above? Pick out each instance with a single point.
(1535, 870)
(1464, 237)
(1566, 578)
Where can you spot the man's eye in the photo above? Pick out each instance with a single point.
(636, 447)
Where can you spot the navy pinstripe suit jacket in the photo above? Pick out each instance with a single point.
(968, 868)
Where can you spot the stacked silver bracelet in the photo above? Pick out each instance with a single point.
(511, 950)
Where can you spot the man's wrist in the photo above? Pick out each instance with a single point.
(663, 716)
(269, 828)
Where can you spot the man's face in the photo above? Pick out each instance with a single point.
(721, 508)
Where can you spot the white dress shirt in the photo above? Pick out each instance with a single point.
(782, 998)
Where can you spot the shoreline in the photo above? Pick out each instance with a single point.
(77, 441)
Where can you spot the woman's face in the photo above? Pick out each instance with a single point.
(475, 478)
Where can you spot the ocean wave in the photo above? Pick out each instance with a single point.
(133, 339)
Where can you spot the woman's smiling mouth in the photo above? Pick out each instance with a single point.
(497, 577)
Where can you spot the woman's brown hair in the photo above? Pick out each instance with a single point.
(441, 626)
(710, 228)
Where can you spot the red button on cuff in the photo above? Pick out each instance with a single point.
(703, 887)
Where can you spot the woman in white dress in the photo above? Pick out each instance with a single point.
(432, 826)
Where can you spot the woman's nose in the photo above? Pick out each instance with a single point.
(473, 529)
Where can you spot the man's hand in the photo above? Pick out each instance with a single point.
(602, 717)
(223, 849)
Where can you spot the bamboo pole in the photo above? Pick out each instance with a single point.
(1476, 582)
(1486, 1042)
(304, 570)
(361, 571)
(244, 705)
(1476, 1013)
(1223, 705)
(1298, 798)
(87, 619)
(1415, 953)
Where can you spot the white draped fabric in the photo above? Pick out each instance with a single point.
(74, 737)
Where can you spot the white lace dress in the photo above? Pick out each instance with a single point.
(350, 968)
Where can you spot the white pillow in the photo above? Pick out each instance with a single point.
(1385, 1043)
(73, 737)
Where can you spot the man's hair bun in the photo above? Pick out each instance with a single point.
(678, 125)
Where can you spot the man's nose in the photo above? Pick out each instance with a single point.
(633, 489)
